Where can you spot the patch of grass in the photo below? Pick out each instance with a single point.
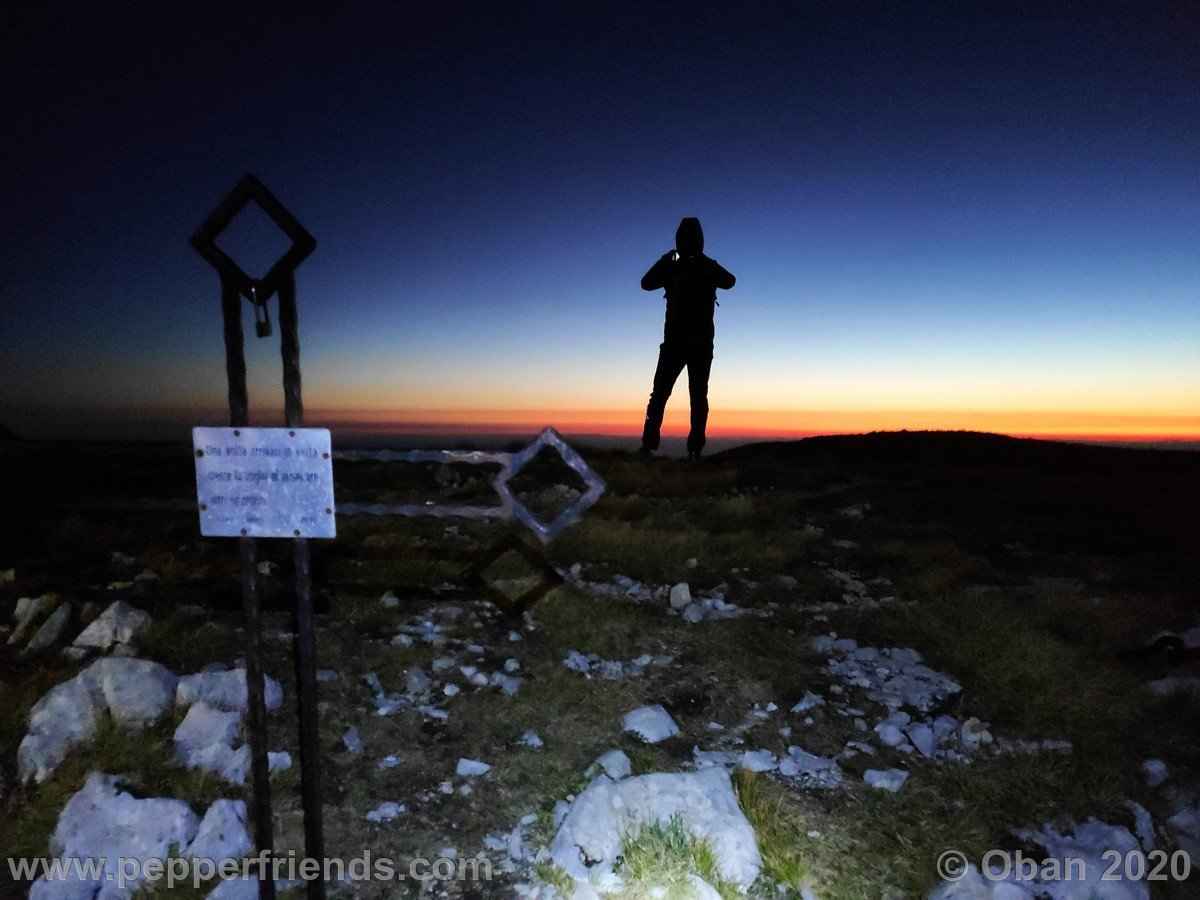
(185, 646)
(665, 856)
(874, 843)
(779, 827)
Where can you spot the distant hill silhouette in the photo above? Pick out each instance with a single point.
(1051, 496)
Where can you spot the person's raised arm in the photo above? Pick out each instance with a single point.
(657, 276)
(721, 278)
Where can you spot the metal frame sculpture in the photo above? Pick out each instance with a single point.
(235, 283)
(510, 508)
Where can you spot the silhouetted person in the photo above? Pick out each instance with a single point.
(691, 280)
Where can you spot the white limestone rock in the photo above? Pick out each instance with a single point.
(385, 812)
(470, 768)
(47, 636)
(222, 833)
(136, 691)
(886, 779)
(29, 611)
(203, 726)
(1155, 771)
(225, 690)
(589, 840)
(65, 717)
(615, 764)
(1089, 842)
(102, 822)
(681, 595)
(223, 760)
(119, 624)
(651, 723)
(758, 761)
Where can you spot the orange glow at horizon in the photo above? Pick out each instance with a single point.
(770, 423)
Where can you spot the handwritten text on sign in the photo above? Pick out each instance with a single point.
(264, 482)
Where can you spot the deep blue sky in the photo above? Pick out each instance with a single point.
(949, 206)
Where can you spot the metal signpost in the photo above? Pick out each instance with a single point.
(235, 284)
(256, 483)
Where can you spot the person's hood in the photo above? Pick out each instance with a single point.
(689, 237)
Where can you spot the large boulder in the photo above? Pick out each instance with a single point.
(63, 719)
(103, 823)
(589, 840)
(136, 691)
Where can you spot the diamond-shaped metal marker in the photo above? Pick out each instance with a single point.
(548, 576)
(594, 483)
(510, 464)
(248, 190)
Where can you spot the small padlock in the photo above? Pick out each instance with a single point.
(262, 318)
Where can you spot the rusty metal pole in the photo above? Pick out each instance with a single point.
(305, 640)
(256, 707)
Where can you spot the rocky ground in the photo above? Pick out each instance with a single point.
(790, 670)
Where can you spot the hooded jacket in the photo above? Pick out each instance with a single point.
(690, 280)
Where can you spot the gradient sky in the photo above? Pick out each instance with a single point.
(940, 214)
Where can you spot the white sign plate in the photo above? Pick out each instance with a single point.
(264, 482)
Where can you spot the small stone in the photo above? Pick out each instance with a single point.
(204, 726)
(278, 761)
(615, 764)
(885, 779)
(758, 761)
(530, 739)
(118, 624)
(470, 768)
(416, 681)
(352, 741)
(808, 702)
(385, 812)
(975, 733)
(50, 631)
(222, 833)
(389, 600)
(921, 736)
(27, 613)
(681, 595)
(1155, 771)
(651, 723)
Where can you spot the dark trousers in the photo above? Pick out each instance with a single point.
(673, 356)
